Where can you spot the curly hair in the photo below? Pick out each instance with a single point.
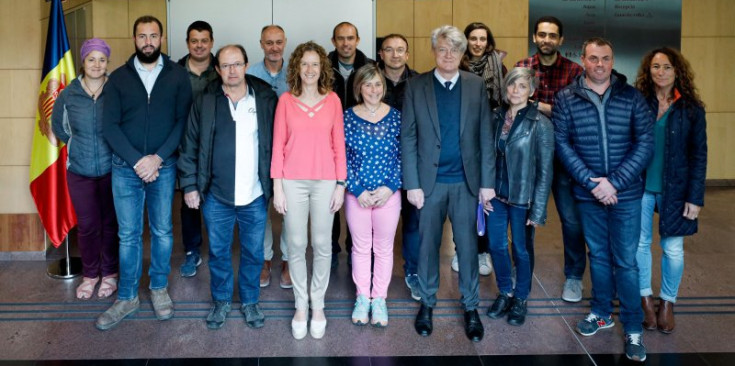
(684, 81)
(293, 77)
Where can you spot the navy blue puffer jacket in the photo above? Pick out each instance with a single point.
(619, 148)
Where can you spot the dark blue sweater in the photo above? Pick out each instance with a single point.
(448, 103)
(135, 125)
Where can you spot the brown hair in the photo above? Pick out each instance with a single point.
(684, 81)
(597, 41)
(326, 78)
(363, 75)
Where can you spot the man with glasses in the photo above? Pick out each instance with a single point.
(272, 69)
(393, 58)
(225, 168)
(146, 105)
(199, 63)
(448, 167)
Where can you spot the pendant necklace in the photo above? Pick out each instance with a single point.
(371, 111)
(94, 93)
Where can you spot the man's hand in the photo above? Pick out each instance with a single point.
(192, 200)
(416, 197)
(486, 195)
(605, 193)
(147, 168)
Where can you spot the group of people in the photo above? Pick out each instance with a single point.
(469, 140)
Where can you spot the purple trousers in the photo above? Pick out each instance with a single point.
(96, 223)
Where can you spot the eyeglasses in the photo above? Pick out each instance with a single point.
(445, 51)
(398, 51)
(236, 65)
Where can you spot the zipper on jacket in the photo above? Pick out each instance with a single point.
(96, 142)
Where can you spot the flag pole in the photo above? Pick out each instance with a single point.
(65, 268)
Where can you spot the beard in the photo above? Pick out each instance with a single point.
(148, 59)
(546, 53)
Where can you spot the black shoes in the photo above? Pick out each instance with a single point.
(473, 326)
(500, 307)
(517, 314)
(423, 323)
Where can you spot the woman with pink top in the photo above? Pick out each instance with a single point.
(309, 171)
(373, 204)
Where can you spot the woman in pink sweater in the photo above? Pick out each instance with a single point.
(309, 171)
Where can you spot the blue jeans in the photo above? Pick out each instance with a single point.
(410, 232)
(575, 259)
(220, 221)
(672, 260)
(612, 238)
(132, 196)
(498, 220)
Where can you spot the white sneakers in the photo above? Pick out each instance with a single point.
(485, 267)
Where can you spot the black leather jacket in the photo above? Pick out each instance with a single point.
(529, 156)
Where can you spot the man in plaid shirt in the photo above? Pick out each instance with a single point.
(554, 72)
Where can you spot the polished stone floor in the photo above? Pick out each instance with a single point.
(41, 322)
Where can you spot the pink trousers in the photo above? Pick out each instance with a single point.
(373, 230)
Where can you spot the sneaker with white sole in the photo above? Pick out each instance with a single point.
(412, 282)
(634, 348)
(592, 323)
(455, 263)
(572, 290)
(361, 311)
(485, 266)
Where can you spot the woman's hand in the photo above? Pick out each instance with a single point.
(279, 198)
(381, 195)
(338, 197)
(366, 199)
(531, 223)
(691, 211)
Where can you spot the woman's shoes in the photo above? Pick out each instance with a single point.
(298, 329)
(108, 286)
(379, 312)
(318, 328)
(86, 288)
(361, 311)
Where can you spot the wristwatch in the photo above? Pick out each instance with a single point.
(341, 183)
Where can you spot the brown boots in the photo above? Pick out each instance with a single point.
(665, 316)
(649, 313)
(663, 319)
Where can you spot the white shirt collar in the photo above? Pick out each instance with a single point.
(442, 80)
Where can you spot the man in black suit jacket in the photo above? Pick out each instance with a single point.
(448, 166)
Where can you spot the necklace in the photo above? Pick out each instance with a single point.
(94, 93)
(371, 111)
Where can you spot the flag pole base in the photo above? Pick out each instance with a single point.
(60, 271)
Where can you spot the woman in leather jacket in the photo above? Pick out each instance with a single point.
(524, 142)
(674, 179)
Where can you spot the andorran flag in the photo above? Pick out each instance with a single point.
(48, 157)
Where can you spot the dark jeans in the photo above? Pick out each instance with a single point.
(497, 229)
(220, 219)
(336, 232)
(410, 234)
(96, 223)
(575, 259)
(191, 227)
(456, 201)
(612, 234)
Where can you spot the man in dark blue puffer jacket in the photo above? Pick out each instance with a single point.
(604, 139)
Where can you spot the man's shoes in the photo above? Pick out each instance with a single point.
(649, 313)
(412, 282)
(634, 348)
(265, 274)
(254, 317)
(455, 263)
(473, 328)
(665, 316)
(189, 267)
(335, 260)
(163, 307)
(572, 290)
(485, 267)
(500, 307)
(285, 276)
(592, 323)
(518, 311)
(423, 323)
(116, 313)
(218, 314)
(361, 312)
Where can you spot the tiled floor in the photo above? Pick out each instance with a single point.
(41, 320)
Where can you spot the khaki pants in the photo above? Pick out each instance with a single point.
(309, 199)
